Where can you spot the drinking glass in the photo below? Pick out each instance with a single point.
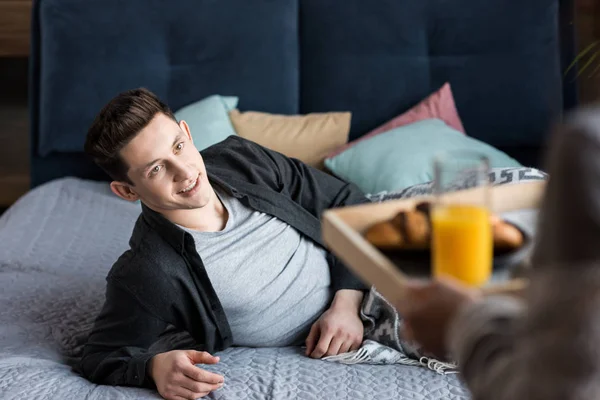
(462, 243)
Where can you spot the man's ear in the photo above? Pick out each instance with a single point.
(186, 128)
(124, 191)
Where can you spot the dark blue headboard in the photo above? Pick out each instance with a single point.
(376, 59)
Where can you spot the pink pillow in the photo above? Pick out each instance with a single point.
(438, 105)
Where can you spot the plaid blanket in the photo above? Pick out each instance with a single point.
(383, 342)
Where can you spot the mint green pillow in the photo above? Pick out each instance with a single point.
(209, 119)
(403, 156)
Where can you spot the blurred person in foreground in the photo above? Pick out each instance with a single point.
(545, 343)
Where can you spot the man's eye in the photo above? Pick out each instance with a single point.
(155, 170)
(179, 146)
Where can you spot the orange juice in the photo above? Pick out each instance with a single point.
(462, 243)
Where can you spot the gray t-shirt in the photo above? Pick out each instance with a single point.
(273, 282)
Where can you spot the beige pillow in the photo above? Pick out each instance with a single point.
(309, 138)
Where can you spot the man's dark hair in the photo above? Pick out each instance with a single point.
(117, 124)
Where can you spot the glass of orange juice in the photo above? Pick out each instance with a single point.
(462, 243)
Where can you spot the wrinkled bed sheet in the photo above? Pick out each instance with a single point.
(56, 245)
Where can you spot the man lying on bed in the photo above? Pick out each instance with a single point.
(227, 247)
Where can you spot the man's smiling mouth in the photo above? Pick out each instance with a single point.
(191, 186)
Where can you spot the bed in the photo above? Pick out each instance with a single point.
(58, 244)
(504, 59)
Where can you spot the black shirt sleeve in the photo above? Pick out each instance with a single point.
(117, 349)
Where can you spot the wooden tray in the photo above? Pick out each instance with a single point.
(343, 228)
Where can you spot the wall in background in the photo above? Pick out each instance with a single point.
(14, 130)
(15, 17)
(14, 140)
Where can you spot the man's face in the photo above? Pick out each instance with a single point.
(166, 168)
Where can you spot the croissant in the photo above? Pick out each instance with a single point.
(411, 230)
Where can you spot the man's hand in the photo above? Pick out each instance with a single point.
(177, 378)
(429, 308)
(339, 329)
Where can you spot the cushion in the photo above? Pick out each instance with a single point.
(438, 105)
(308, 138)
(403, 156)
(208, 119)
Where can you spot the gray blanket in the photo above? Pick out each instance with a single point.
(56, 246)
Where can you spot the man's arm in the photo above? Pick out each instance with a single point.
(116, 352)
(340, 328)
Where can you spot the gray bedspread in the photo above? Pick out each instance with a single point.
(56, 245)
